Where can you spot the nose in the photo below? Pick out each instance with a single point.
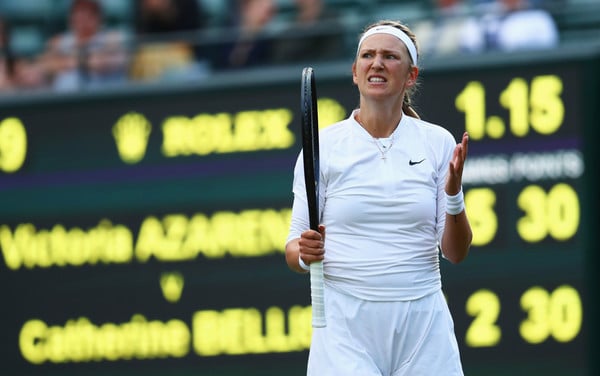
(378, 61)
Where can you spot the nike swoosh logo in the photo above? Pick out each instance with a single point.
(412, 163)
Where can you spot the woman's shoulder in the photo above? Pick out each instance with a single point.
(431, 129)
(335, 130)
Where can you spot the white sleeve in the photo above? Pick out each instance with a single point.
(299, 222)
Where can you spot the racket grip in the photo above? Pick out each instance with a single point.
(317, 295)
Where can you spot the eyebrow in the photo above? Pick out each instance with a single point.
(385, 50)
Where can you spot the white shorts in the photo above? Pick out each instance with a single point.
(370, 338)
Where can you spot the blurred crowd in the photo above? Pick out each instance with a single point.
(178, 40)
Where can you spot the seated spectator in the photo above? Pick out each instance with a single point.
(86, 55)
(248, 45)
(513, 25)
(314, 35)
(445, 32)
(167, 46)
(17, 72)
(5, 75)
(167, 16)
(28, 74)
(6, 58)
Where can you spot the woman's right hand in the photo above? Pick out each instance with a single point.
(312, 245)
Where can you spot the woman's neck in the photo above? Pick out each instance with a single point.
(378, 124)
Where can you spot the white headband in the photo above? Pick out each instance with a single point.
(386, 29)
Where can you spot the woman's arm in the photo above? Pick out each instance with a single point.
(457, 236)
(310, 246)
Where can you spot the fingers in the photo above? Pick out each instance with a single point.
(322, 231)
(456, 162)
(460, 155)
(455, 169)
(312, 245)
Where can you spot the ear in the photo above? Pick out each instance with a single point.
(413, 73)
(354, 78)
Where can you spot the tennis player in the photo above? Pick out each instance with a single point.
(391, 199)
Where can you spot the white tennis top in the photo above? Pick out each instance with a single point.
(383, 217)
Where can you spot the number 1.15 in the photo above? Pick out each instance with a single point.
(535, 105)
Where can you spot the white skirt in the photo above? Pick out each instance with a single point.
(371, 338)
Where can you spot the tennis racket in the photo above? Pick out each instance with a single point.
(310, 151)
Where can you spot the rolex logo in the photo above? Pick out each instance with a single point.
(131, 133)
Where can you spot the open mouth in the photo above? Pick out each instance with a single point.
(377, 79)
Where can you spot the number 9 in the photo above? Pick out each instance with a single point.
(13, 144)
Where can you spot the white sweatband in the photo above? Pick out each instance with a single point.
(386, 29)
(455, 204)
(302, 264)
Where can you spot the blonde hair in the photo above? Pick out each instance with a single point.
(407, 102)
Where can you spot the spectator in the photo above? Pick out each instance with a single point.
(166, 16)
(250, 46)
(167, 43)
(445, 32)
(6, 58)
(86, 55)
(315, 34)
(513, 25)
(28, 73)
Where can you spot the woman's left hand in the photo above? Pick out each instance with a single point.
(457, 163)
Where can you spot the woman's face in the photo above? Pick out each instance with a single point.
(383, 67)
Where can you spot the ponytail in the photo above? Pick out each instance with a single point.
(407, 107)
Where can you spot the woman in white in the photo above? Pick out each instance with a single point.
(391, 198)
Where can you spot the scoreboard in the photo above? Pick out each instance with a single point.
(523, 299)
(142, 231)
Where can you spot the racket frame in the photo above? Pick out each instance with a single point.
(310, 151)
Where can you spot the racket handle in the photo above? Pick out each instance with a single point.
(317, 295)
